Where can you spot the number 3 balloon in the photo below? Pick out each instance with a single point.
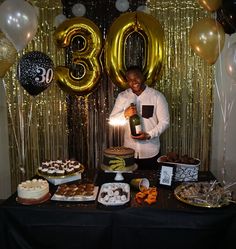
(86, 58)
(35, 72)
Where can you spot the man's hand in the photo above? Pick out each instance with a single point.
(142, 136)
(130, 111)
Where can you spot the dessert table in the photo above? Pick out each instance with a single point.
(167, 224)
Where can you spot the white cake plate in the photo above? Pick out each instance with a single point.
(119, 176)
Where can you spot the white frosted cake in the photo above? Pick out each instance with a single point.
(32, 190)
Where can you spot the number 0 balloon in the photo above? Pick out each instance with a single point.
(35, 72)
(151, 31)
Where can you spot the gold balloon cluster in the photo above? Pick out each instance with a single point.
(88, 57)
(207, 36)
(7, 54)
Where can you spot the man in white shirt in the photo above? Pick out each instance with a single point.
(152, 107)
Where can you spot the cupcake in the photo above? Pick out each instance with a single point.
(60, 172)
(51, 171)
(70, 171)
(77, 167)
(44, 171)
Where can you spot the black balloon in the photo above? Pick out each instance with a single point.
(226, 16)
(35, 72)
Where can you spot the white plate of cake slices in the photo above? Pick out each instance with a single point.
(76, 192)
(114, 194)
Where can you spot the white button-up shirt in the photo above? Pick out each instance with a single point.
(153, 110)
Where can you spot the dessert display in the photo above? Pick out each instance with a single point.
(118, 158)
(114, 194)
(76, 192)
(186, 167)
(60, 168)
(203, 194)
(147, 195)
(33, 191)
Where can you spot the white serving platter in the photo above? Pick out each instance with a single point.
(109, 196)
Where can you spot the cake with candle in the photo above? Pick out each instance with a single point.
(118, 158)
(33, 191)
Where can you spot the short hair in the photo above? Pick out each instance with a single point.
(137, 70)
(134, 69)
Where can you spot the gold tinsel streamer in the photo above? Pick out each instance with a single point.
(186, 81)
(37, 125)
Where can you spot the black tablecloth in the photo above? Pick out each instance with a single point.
(167, 224)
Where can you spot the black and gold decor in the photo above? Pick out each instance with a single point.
(65, 122)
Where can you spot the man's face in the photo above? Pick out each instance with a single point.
(135, 81)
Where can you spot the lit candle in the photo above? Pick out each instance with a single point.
(118, 130)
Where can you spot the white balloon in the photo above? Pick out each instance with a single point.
(122, 5)
(19, 22)
(59, 19)
(144, 9)
(230, 61)
(78, 9)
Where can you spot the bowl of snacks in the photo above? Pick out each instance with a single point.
(186, 167)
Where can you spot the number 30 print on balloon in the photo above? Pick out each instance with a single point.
(123, 27)
(35, 72)
(81, 33)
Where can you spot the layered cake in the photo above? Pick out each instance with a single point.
(34, 190)
(118, 158)
(60, 168)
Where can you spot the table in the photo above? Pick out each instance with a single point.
(167, 224)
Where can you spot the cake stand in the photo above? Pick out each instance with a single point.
(119, 176)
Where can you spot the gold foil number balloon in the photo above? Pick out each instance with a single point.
(85, 59)
(7, 54)
(207, 39)
(124, 26)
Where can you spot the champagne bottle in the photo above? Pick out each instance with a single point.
(135, 124)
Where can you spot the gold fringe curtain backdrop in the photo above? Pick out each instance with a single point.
(54, 125)
(186, 81)
(89, 131)
(37, 125)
